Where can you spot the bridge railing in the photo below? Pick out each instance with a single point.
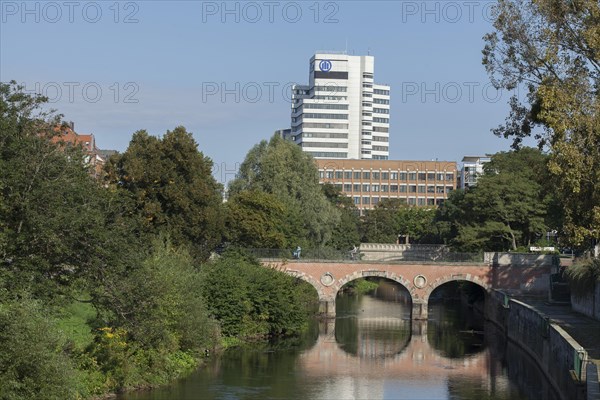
(329, 254)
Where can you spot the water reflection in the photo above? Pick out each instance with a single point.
(372, 350)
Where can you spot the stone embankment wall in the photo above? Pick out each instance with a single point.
(588, 305)
(554, 350)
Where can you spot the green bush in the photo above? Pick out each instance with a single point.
(583, 276)
(250, 300)
(33, 361)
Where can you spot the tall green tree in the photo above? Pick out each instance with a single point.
(346, 233)
(255, 219)
(551, 48)
(391, 218)
(53, 215)
(172, 187)
(281, 168)
(508, 208)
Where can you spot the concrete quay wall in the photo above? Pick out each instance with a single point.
(588, 305)
(558, 355)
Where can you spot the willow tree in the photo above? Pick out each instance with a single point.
(551, 48)
(281, 168)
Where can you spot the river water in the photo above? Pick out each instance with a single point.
(372, 351)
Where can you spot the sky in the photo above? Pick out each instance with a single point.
(223, 69)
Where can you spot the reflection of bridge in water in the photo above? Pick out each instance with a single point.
(413, 357)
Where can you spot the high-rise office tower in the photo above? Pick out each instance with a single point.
(341, 113)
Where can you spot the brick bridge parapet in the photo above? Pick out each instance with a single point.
(420, 279)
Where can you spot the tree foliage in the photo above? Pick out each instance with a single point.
(346, 233)
(391, 218)
(508, 208)
(173, 189)
(281, 168)
(249, 300)
(552, 49)
(255, 219)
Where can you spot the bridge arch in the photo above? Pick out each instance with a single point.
(454, 278)
(379, 274)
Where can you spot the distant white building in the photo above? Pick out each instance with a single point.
(341, 113)
(472, 168)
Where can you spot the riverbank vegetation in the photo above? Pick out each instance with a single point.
(105, 282)
(583, 277)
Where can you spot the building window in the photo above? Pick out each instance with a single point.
(356, 187)
(439, 189)
(440, 177)
(380, 120)
(412, 189)
(412, 201)
(412, 176)
(449, 189)
(430, 189)
(375, 188)
(321, 174)
(338, 174)
(422, 176)
(449, 177)
(366, 200)
(366, 188)
(421, 201)
(347, 187)
(375, 200)
(385, 176)
(384, 188)
(376, 175)
(366, 175)
(431, 176)
(394, 188)
(356, 175)
(329, 174)
(347, 175)
(421, 188)
(403, 176)
(394, 176)
(431, 202)
(356, 200)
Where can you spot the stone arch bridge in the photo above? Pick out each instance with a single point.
(514, 275)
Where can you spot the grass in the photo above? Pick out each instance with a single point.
(74, 323)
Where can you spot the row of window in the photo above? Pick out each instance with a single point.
(381, 101)
(381, 110)
(325, 106)
(394, 176)
(325, 145)
(381, 139)
(381, 120)
(325, 135)
(381, 91)
(381, 129)
(411, 201)
(330, 88)
(327, 154)
(381, 148)
(323, 116)
(320, 125)
(365, 188)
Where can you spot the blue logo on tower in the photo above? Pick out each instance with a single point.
(325, 65)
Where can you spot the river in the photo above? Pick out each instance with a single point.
(372, 351)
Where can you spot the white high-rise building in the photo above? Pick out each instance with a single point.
(341, 113)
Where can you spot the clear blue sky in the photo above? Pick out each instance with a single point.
(171, 55)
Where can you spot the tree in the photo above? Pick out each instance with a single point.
(172, 187)
(552, 48)
(508, 208)
(254, 219)
(53, 215)
(281, 168)
(391, 218)
(345, 233)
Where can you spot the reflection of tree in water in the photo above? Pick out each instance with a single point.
(452, 332)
